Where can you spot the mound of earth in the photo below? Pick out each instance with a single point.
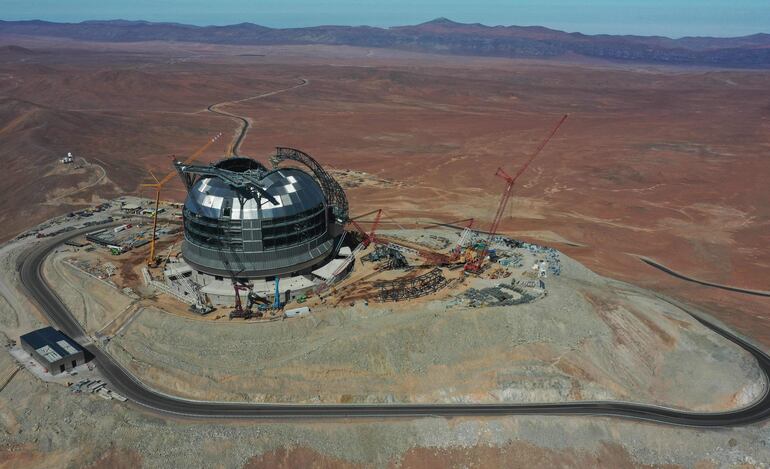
(590, 338)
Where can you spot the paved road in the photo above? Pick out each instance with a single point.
(684, 277)
(150, 400)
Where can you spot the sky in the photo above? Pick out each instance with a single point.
(673, 18)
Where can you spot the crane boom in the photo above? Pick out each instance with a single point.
(503, 201)
(192, 157)
(158, 184)
(476, 264)
(367, 238)
(540, 147)
(376, 223)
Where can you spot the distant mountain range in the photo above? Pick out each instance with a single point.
(440, 36)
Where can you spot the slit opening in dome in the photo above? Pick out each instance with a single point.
(240, 165)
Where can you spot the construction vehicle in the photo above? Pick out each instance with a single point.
(240, 311)
(152, 261)
(475, 265)
(253, 298)
(277, 295)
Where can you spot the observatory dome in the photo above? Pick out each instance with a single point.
(280, 227)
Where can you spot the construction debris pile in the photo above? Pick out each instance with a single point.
(98, 387)
(519, 292)
(393, 258)
(513, 259)
(548, 259)
(102, 271)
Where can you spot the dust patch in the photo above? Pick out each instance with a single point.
(13, 456)
(117, 458)
(289, 458)
(349, 179)
(708, 223)
(519, 454)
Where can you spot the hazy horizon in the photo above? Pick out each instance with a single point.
(672, 18)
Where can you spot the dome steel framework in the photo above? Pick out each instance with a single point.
(243, 221)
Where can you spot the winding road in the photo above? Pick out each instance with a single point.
(676, 274)
(33, 281)
(73, 192)
(244, 122)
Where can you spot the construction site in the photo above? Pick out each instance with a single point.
(257, 245)
(328, 294)
(264, 263)
(416, 275)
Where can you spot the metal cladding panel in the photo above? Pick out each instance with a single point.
(295, 190)
(263, 264)
(261, 238)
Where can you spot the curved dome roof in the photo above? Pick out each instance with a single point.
(294, 190)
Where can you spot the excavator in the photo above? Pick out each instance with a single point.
(240, 311)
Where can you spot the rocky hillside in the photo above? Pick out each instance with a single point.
(438, 36)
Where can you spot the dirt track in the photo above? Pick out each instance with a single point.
(244, 121)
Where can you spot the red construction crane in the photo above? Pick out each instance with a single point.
(370, 237)
(475, 264)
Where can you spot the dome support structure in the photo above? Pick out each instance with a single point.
(246, 182)
(335, 195)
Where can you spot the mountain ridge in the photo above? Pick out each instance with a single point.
(441, 35)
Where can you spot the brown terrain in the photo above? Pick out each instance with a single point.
(666, 163)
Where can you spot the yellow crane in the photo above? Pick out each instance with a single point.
(158, 185)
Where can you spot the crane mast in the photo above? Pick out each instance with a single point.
(158, 185)
(368, 238)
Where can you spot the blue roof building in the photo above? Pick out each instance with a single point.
(53, 350)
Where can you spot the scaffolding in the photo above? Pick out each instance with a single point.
(414, 287)
(335, 195)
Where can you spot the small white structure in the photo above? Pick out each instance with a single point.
(130, 208)
(293, 313)
(326, 272)
(543, 267)
(67, 159)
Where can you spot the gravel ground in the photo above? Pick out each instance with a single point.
(43, 425)
(93, 302)
(46, 426)
(590, 338)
